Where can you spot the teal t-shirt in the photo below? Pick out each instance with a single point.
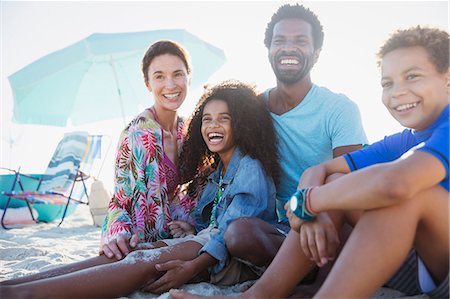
(308, 134)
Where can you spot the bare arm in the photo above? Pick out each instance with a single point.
(380, 185)
(341, 150)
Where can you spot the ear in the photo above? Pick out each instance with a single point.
(316, 55)
(448, 81)
(147, 84)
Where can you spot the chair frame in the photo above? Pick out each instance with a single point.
(80, 177)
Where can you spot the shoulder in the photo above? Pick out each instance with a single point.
(249, 168)
(333, 98)
(144, 120)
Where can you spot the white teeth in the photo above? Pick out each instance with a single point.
(214, 135)
(289, 61)
(405, 106)
(171, 95)
(215, 138)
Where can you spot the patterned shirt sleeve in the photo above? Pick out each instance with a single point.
(138, 205)
(118, 221)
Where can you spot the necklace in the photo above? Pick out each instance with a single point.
(217, 197)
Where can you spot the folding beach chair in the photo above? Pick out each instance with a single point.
(59, 185)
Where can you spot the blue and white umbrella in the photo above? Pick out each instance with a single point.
(99, 78)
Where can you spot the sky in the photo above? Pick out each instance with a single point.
(354, 30)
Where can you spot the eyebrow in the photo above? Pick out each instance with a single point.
(221, 113)
(413, 68)
(161, 72)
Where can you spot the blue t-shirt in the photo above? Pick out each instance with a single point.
(433, 140)
(308, 134)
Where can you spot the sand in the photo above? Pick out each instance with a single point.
(28, 249)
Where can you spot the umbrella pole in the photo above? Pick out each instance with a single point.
(119, 93)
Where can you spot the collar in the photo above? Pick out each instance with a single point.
(231, 171)
(423, 135)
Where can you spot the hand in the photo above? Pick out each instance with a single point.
(319, 239)
(179, 228)
(119, 247)
(294, 221)
(178, 272)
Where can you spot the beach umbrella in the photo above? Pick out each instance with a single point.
(99, 78)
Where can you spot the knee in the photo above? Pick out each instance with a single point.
(237, 235)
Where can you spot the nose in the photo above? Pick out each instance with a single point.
(288, 45)
(398, 90)
(213, 123)
(170, 83)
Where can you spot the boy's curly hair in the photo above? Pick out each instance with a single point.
(433, 40)
(252, 127)
(300, 12)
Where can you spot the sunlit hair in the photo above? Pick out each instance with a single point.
(164, 47)
(253, 131)
(433, 40)
(296, 11)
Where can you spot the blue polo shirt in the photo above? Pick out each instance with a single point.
(433, 140)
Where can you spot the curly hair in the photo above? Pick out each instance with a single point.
(300, 12)
(164, 47)
(252, 127)
(433, 40)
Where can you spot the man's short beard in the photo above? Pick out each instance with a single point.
(291, 77)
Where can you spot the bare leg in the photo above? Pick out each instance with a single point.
(110, 280)
(288, 267)
(65, 269)
(253, 240)
(381, 240)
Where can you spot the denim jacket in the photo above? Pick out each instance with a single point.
(249, 191)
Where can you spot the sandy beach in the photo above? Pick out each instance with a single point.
(28, 249)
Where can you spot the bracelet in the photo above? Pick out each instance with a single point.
(308, 202)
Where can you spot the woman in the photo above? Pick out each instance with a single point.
(230, 142)
(145, 196)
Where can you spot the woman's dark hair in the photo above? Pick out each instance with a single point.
(433, 40)
(300, 12)
(164, 47)
(252, 127)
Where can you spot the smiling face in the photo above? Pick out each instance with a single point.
(291, 52)
(168, 79)
(414, 92)
(217, 131)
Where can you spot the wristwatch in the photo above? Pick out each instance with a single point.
(298, 205)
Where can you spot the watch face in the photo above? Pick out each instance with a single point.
(293, 203)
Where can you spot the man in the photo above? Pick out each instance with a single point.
(313, 125)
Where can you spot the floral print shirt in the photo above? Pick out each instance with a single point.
(140, 203)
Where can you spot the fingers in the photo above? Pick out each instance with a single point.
(134, 241)
(180, 228)
(319, 242)
(321, 256)
(117, 248)
(160, 286)
(313, 247)
(167, 265)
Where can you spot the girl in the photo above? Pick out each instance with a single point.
(231, 149)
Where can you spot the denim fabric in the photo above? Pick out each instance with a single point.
(248, 192)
